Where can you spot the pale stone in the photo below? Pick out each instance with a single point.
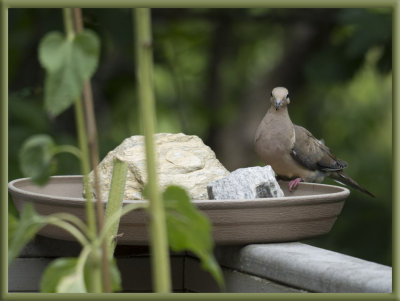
(246, 183)
(182, 160)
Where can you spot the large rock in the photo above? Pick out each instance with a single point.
(246, 183)
(182, 160)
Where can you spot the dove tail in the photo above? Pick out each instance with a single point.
(341, 177)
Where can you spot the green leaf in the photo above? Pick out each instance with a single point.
(68, 64)
(62, 276)
(29, 224)
(72, 283)
(189, 229)
(36, 158)
(52, 50)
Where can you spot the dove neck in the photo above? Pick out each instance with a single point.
(282, 111)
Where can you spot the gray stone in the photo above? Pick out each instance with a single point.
(181, 160)
(246, 183)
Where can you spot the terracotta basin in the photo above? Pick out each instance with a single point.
(309, 211)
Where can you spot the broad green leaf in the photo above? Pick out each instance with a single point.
(189, 229)
(29, 224)
(72, 283)
(72, 275)
(36, 158)
(61, 274)
(68, 64)
(52, 49)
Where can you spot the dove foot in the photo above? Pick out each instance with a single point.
(293, 184)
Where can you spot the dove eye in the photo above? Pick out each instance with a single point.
(287, 95)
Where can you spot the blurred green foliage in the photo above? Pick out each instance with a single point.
(214, 70)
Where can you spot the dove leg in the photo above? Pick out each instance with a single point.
(294, 183)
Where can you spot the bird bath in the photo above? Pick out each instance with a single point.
(309, 211)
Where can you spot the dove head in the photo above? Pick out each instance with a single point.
(279, 97)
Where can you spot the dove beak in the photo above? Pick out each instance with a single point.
(277, 104)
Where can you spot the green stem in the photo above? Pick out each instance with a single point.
(94, 284)
(94, 157)
(68, 149)
(72, 219)
(96, 277)
(81, 128)
(115, 198)
(90, 214)
(69, 228)
(96, 272)
(80, 266)
(159, 241)
(68, 25)
(115, 217)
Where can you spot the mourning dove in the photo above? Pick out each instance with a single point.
(292, 151)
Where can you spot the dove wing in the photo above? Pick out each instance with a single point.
(313, 153)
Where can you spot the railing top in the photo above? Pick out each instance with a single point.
(310, 268)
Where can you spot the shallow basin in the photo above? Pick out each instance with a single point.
(309, 211)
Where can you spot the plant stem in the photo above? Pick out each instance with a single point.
(68, 149)
(73, 220)
(90, 215)
(159, 241)
(82, 259)
(69, 228)
(96, 276)
(80, 124)
(96, 273)
(94, 157)
(69, 30)
(115, 198)
(117, 216)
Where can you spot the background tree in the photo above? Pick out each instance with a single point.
(214, 70)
